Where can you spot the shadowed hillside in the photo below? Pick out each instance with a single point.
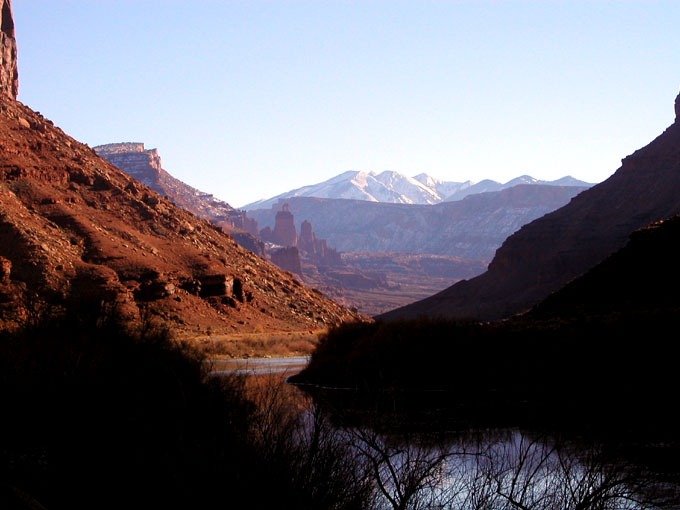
(599, 353)
(550, 251)
(644, 276)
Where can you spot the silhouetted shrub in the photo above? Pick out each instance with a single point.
(614, 372)
(97, 415)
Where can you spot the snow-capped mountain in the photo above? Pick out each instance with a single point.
(388, 186)
(488, 185)
(443, 188)
(393, 187)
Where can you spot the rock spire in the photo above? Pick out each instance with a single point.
(9, 76)
(677, 108)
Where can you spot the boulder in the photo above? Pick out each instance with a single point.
(216, 285)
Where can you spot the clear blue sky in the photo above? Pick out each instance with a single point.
(247, 99)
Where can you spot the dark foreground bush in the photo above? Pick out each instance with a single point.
(95, 415)
(617, 373)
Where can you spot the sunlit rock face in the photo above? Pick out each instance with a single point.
(9, 76)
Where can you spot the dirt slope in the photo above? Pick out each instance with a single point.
(74, 227)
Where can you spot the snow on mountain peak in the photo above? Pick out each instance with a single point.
(394, 187)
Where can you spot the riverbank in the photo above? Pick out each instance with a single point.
(279, 344)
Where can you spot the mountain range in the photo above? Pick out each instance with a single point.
(471, 228)
(549, 252)
(393, 187)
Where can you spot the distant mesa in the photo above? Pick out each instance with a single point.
(146, 167)
(134, 160)
(549, 252)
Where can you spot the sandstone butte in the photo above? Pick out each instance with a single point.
(73, 228)
(549, 252)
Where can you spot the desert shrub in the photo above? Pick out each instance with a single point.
(519, 372)
(98, 412)
(99, 415)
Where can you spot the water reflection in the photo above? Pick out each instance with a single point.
(397, 467)
(505, 470)
(493, 469)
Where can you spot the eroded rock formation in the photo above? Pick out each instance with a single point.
(9, 75)
(288, 259)
(317, 249)
(284, 233)
(307, 238)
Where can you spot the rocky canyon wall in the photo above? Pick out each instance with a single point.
(9, 76)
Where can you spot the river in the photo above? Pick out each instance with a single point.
(493, 469)
(259, 366)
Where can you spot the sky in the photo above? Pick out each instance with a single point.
(248, 99)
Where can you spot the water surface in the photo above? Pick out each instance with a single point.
(259, 366)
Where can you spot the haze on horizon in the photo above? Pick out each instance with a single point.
(247, 100)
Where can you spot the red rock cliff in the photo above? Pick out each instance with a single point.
(9, 76)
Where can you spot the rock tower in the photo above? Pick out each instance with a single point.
(285, 233)
(9, 76)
